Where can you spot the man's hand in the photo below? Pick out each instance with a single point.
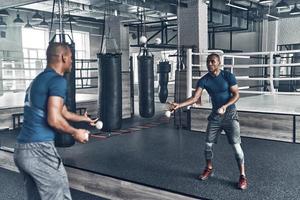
(173, 106)
(222, 110)
(81, 135)
(92, 122)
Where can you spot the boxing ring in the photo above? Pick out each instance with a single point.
(265, 111)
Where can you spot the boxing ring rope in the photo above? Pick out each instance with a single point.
(271, 56)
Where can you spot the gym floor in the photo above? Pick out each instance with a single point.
(11, 188)
(171, 159)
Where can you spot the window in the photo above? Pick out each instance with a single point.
(12, 76)
(18, 72)
(35, 38)
(34, 42)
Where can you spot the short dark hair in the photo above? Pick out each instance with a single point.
(213, 55)
(55, 49)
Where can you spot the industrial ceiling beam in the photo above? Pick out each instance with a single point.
(14, 3)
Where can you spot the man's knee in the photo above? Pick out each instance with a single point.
(239, 154)
(208, 151)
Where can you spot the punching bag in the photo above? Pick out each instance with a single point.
(163, 68)
(146, 85)
(66, 140)
(110, 91)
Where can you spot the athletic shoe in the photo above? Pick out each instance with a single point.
(206, 174)
(243, 184)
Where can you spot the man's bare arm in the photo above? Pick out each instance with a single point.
(77, 118)
(235, 95)
(56, 120)
(195, 98)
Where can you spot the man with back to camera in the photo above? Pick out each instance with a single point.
(45, 113)
(223, 89)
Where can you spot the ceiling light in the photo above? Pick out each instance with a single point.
(172, 17)
(282, 4)
(4, 13)
(2, 23)
(295, 10)
(236, 6)
(44, 23)
(37, 16)
(27, 25)
(18, 20)
(265, 1)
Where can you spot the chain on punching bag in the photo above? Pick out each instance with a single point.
(146, 85)
(163, 68)
(110, 91)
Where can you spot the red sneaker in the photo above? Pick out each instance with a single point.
(206, 174)
(243, 184)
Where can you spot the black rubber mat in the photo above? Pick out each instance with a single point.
(12, 188)
(172, 159)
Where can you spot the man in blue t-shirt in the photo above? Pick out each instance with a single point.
(223, 90)
(45, 114)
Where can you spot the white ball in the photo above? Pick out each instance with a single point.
(157, 41)
(99, 124)
(143, 39)
(168, 113)
(221, 111)
(86, 136)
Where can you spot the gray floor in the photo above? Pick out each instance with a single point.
(11, 188)
(172, 159)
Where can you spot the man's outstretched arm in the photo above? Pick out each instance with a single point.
(195, 98)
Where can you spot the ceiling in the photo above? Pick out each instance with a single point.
(260, 9)
(133, 11)
(127, 9)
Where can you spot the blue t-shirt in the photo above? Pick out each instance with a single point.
(35, 127)
(218, 88)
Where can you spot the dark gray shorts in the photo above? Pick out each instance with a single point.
(229, 122)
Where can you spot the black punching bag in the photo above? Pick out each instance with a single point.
(163, 68)
(66, 140)
(110, 91)
(146, 85)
